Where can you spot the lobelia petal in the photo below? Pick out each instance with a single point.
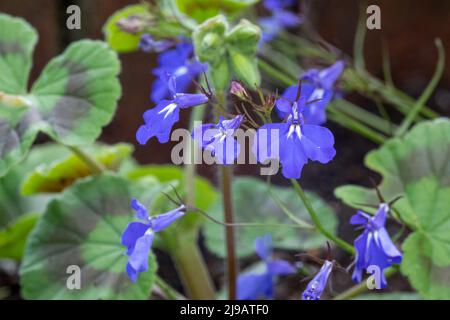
(132, 233)
(318, 143)
(266, 144)
(317, 285)
(138, 259)
(252, 286)
(187, 100)
(141, 210)
(329, 75)
(132, 273)
(263, 247)
(292, 156)
(280, 268)
(360, 244)
(388, 246)
(162, 221)
(160, 120)
(379, 219)
(360, 218)
(225, 150)
(199, 134)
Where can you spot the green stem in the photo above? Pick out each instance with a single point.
(95, 166)
(191, 267)
(168, 291)
(315, 218)
(362, 287)
(232, 268)
(415, 110)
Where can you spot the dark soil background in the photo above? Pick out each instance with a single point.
(409, 28)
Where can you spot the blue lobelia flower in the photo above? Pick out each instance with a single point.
(317, 285)
(280, 19)
(148, 44)
(318, 89)
(160, 119)
(374, 247)
(138, 236)
(219, 138)
(294, 142)
(251, 286)
(179, 63)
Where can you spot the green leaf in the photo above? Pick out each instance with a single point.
(75, 96)
(83, 227)
(77, 93)
(12, 239)
(58, 175)
(119, 40)
(17, 41)
(253, 204)
(201, 10)
(417, 167)
(12, 204)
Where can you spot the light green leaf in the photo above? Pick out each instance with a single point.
(58, 175)
(12, 239)
(252, 203)
(17, 41)
(119, 40)
(418, 168)
(74, 97)
(83, 228)
(12, 204)
(204, 9)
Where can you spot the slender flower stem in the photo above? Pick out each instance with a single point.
(95, 166)
(362, 287)
(168, 291)
(315, 218)
(191, 267)
(229, 231)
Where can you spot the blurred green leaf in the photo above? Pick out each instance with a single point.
(252, 203)
(118, 39)
(83, 227)
(58, 175)
(417, 168)
(74, 97)
(12, 204)
(201, 10)
(12, 239)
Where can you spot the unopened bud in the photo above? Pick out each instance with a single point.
(238, 90)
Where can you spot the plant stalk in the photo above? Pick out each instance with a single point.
(95, 166)
(315, 218)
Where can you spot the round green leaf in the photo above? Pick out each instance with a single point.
(252, 203)
(60, 174)
(201, 10)
(83, 228)
(417, 168)
(119, 40)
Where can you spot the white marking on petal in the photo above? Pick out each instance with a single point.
(168, 109)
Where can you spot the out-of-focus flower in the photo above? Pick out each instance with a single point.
(318, 92)
(138, 236)
(294, 142)
(160, 119)
(252, 286)
(219, 138)
(238, 90)
(148, 44)
(317, 285)
(374, 247)
(179, 63)
(280, 19)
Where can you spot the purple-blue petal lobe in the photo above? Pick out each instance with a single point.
(318, 284)
(132, 233)
(263, 247)
(162, 221)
